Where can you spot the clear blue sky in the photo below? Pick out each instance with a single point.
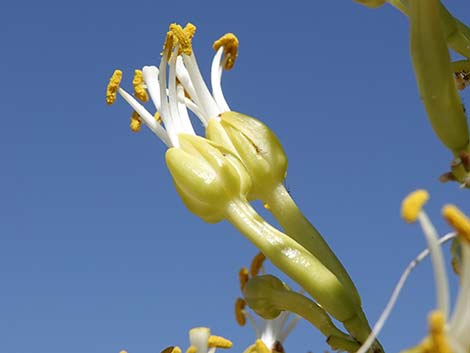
(98, 253)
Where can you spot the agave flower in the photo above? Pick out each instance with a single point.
(447, 332)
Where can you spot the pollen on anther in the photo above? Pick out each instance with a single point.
(183, 37)
(239, 311)
(257, 264)
(219, 342)
(171, 349)
(136, 122)
(243, 277)
(261, 347)
(157, 117)
(113, 87)
(413, 204)
(138, 83)
(230, 44)
(457, 220)
(437, 337)
(191, 349)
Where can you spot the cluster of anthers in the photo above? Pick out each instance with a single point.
(179, 89)
(270, 334)
(447, 333)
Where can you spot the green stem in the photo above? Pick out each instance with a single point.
(294, 260)
(456, 33)
(294, 223)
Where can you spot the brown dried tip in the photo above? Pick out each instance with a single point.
(465, 158)
(446, 177)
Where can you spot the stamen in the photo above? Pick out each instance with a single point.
(230, 43)
(113, 87)
(457, 220)
(243, 277)
(239, 311)
(219, 342)
(139, 90)
(261, 347)
(412, 205)
(257, 264)
(184, 37)
(437, 335)
(136, 122)
(157, 117)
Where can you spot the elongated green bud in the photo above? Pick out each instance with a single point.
(207, 176)
(432, 67)
(256, 145)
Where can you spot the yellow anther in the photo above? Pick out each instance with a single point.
(190, 30)
(412, 205)
(243, 277)
(171, 349)
(256, 264)
(139, 90)
(230, 43)
(457, 220)
(168, 44)
(261, 347)
(113, 87)
(219, 342)
(136, 122)
(191, 349)
(437, 335)
(183, 37)
(123, 352)
(239, 311)
(266, 206)
(157, 117)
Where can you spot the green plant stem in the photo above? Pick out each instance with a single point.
(456, 33)
(297, 226)
(300, 265)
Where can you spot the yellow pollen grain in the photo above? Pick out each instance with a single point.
(457, 220)
(168, 44)
(139, 90)
(239, 311)
(136, 122)
(219, 342)
(190, 30)
(437, 335)
(243, 277)
(184, 41)
(413, 204)
(157, 117)
(230, 44)
(113, 87)
(191, 349)
(256, 264)
(123, 352)
(261, 347)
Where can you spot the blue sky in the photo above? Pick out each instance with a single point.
(98, 253)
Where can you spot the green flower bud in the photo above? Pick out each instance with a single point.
(435, 80)
(259, 293)
(207, 176)
(256, 145)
